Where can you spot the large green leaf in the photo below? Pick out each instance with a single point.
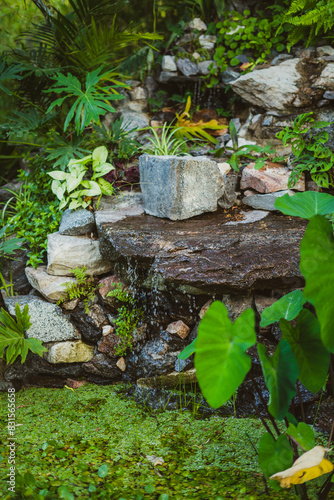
(287, 307)
(303, 434)
(11, 72)
(312, 356)
(306, 205)
(317, 266)
(280, 373)
(12, 335)
(274, 456)
(220, 359)
(89, 104)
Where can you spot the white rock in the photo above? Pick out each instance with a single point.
(165, 76)
(138, 94)
(326, 50)
(224, 168)
(68, 252)
(270, 88)
(207, 41)
(241, 142)
(168, 63)
(49, 324)
(178, 328)
(51, 287)
(121, 364)
(106, 330)
(326, 79)
(197, 24)
(70, 352)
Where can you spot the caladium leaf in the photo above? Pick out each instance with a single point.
(280, 374)
(306, 205)
(274, 455)
(287, 307)
(317, 266)
(220, 359)
(312, 356)
(100, 156)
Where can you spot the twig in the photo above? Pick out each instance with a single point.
(258, 390)
(330, 438)
(300, 401)
(259, 415)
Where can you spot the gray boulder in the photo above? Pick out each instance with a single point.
(76, 222)
(272, 88)
(179, 187)
(187, 67)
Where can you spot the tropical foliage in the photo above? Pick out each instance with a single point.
(303, 355)
(13, 342)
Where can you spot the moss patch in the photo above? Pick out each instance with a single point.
(93, 443)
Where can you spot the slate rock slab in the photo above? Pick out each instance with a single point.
(206, 253)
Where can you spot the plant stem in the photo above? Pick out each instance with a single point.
(259, 415)
(258, 390)
(330, 438)
(300, 401)
(331, 373)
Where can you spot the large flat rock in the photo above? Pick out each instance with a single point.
(210, 253)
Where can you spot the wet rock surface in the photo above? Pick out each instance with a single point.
(157, 357)
(207, 254)
(38, 372)
(87, 326)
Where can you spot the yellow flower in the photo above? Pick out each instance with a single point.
(308, 466)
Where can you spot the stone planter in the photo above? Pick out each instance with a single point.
(179, 187)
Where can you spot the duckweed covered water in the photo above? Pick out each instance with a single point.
(93, 442)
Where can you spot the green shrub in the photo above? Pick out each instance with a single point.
(36, 212)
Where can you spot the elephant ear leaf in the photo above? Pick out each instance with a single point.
(287, 307)
(306, 205)
(317, 266)
(220, 356)
(274, 455)
(280, 374)
(312, 356)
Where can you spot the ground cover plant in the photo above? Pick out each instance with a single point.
(93, 443)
